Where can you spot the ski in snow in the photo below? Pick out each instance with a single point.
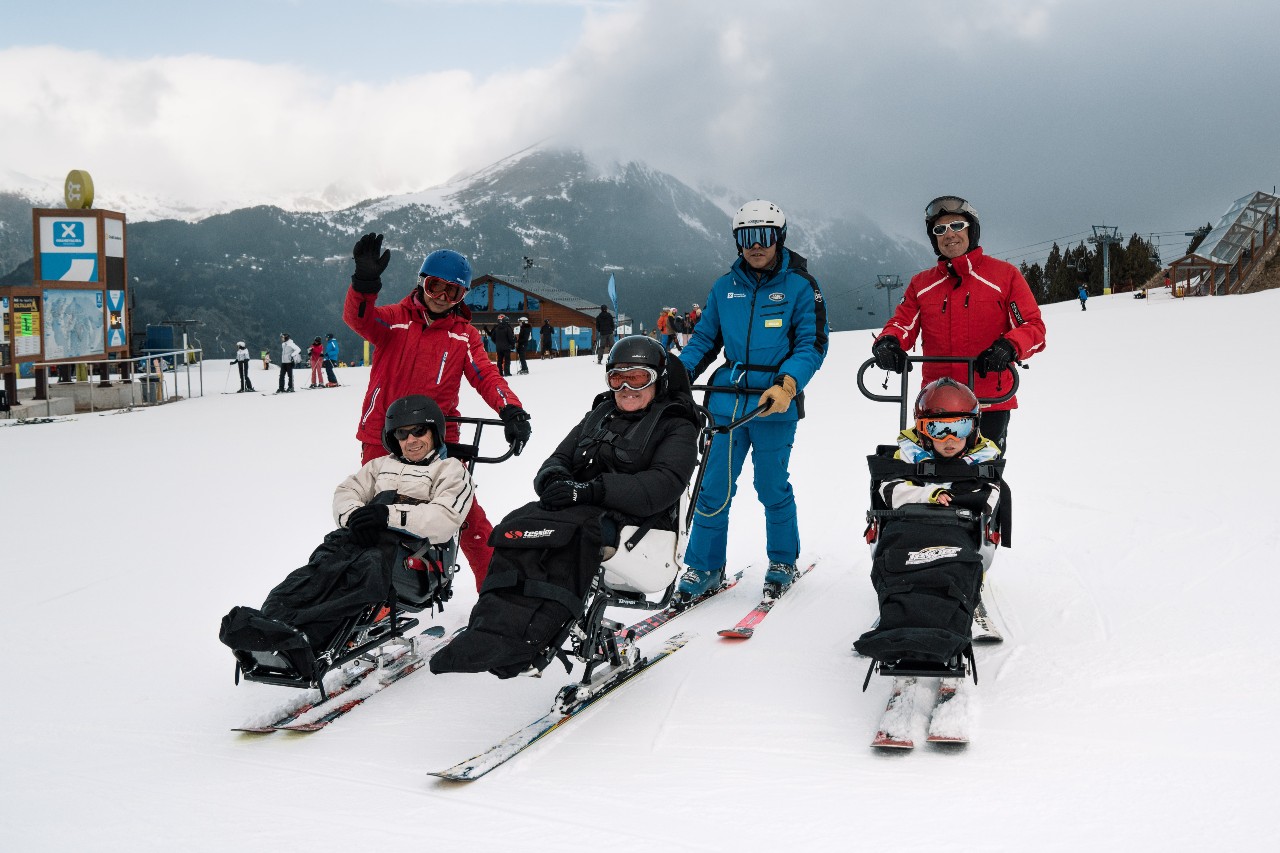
(747, 626)
(662, 617)
(894, 731)
(949, 722)
(985, 629)
(369, 679)
(517, 742)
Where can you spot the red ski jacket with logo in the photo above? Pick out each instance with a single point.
(414, 356)
(960, 308)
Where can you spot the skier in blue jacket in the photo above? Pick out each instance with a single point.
(331, 360)
(768, 316)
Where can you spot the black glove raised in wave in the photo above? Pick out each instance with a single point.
(367, 523)
(516, 427)
(371, 260)
(888, 354)
(994, 358)
(564, 493)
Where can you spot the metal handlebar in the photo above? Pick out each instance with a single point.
(901, 397)
(471, 449)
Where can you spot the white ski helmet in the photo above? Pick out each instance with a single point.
(761, 214)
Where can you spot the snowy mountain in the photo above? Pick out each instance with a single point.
(1130, 707)
(253, 272)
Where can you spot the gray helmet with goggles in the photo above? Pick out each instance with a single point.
(953, 204)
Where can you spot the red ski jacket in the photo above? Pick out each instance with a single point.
(963, 317)
(416, 355)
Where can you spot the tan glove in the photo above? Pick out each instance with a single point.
(778, 396)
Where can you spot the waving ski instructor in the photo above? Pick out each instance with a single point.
(967, 305)
(768, 316)
(425, 344)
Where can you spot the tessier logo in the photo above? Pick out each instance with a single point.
(527, 534)
(929, 555)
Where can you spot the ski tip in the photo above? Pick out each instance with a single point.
(946, 740)
(255, 730)
(434, 631)
(737, 633)
(453, 777)
(887, 742)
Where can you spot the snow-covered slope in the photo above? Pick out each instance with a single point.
(1130, 708)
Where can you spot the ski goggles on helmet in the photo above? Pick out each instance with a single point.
(417, 431)
(958, 225)
(944, 428)
(765, 235)
(948, 204)
(634, 378)
(438, 288)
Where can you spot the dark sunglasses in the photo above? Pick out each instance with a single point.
(958, 225)
(438, 288)
(417, 431)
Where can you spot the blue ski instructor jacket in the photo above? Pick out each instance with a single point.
(766, 326)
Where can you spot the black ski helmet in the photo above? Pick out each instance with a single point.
(943, 205)
(946, 398)
(639, 349)
(411, 411)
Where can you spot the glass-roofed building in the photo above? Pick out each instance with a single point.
(1225, 257)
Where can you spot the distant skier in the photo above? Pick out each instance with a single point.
(524, 333)
(1083, 296)
(315, 356)
(547, 334)
(606, 328)
(289, 355)
(504, 340)
(330, 360)
(241, 361)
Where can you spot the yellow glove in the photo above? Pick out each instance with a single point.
(778, 396)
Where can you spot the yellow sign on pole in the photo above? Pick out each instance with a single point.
(78, 191)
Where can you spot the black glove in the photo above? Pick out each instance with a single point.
(233, 361)
(367, 523)
(516, 426)
(547, 475)
(888, 354)
(371, 260)
(994, 358)
(559, 494)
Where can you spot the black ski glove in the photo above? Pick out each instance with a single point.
(371, 260)
(888, 354)
(559, 494)
(995, 358)
(549, 474)
(516, 427)
(233, 361)
(367, 523)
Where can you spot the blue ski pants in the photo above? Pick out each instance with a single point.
(770, 443)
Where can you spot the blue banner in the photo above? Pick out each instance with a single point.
(613, 296)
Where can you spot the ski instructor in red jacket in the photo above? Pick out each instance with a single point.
(968, 305)
(425, 344)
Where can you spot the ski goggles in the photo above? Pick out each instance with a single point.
(438, 288)
(765, 235)
(958, 225)
(948, 204)
(944, 428)
(417, 431)
(634, 378)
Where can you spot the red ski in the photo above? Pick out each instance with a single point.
(747, 627)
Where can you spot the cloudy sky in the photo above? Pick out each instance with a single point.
(1049, 115)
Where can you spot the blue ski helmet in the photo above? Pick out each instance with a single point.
(448, 265)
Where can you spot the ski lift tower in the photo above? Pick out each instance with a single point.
(889, 283)
(1105, 236)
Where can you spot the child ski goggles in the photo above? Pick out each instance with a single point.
(765, 235)
(634, 378)
(943, 428)
(438, 288)
(958, 225)
(417, 431)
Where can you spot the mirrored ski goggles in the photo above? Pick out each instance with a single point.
(958, 225)
(943, 428)
(634, 378)
(948, 204)
(417, 431)
(765, 235)
(438, 288)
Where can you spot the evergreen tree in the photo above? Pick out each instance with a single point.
(1198, 237)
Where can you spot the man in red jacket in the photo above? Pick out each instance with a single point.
(425, 344)
(968, 305)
